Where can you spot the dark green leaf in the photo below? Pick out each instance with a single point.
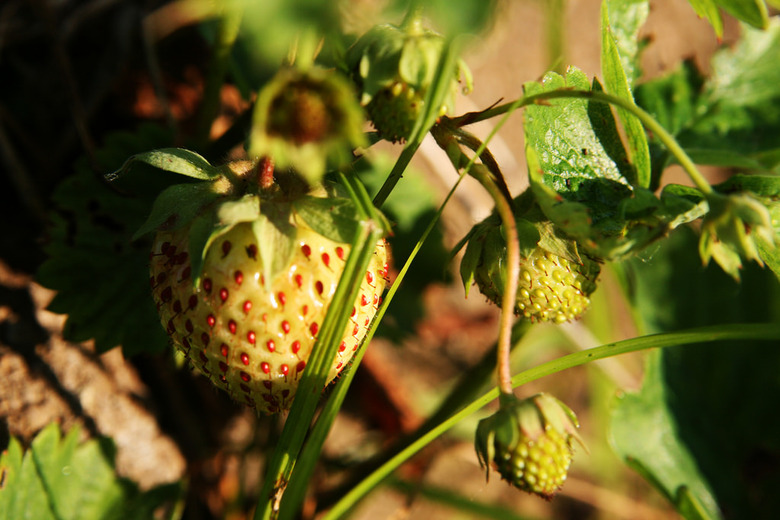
(743, 100)
(749, 11)
(177, 206)
(101, 275)
(702, 395)
(174, 160)
(644, 435)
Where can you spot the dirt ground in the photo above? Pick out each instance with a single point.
(162, 434)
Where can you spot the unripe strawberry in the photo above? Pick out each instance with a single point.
(551, 288)
(529, 442)
(394, 68)
(555, 280)
(250, 336)
(244, 270)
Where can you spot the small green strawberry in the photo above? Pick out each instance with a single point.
(244, 268)
(394, 68)
(529, 442)
(556, 279)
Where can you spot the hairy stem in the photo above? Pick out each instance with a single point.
(448, 138)
(227, 32)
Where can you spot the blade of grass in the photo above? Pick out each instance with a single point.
(309, 454)
(455, 500)
(285, 454)
(693, 336)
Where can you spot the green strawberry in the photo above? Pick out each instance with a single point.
(251, 338)
(551, 288)
(394, 68)
(530, 442)
(556, 279)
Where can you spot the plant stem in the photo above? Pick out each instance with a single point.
(701, 335)
(448, 138)
(227, 32)
(504, 209)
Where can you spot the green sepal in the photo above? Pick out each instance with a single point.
(174, 160)
(275, 236)
(177, 205)
(215, 222)
(334, 218)
(470, 261)
(388, 54)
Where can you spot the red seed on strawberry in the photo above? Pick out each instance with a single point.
(233, 312)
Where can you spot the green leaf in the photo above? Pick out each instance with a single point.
(578, 170)
(753, 12)
(177, 206)
(578, 147)
(93, 264)
(625, 19)
(703, 397)
(644, 435)
(174, 160)
(333, 217)
(60, 479)
(750, 11)
(743, 100)
(708, 9)
(618, 80)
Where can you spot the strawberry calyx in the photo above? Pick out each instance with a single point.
(556, 278)
(239, 192)
(529, 442)
(307, 120)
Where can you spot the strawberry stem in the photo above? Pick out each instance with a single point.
(504, 209)
(449, 139)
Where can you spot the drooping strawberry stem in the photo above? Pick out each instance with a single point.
(449, 139)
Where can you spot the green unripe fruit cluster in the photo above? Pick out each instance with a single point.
(551, 288)
(537, 466)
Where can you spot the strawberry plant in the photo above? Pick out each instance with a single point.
(248, 261)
